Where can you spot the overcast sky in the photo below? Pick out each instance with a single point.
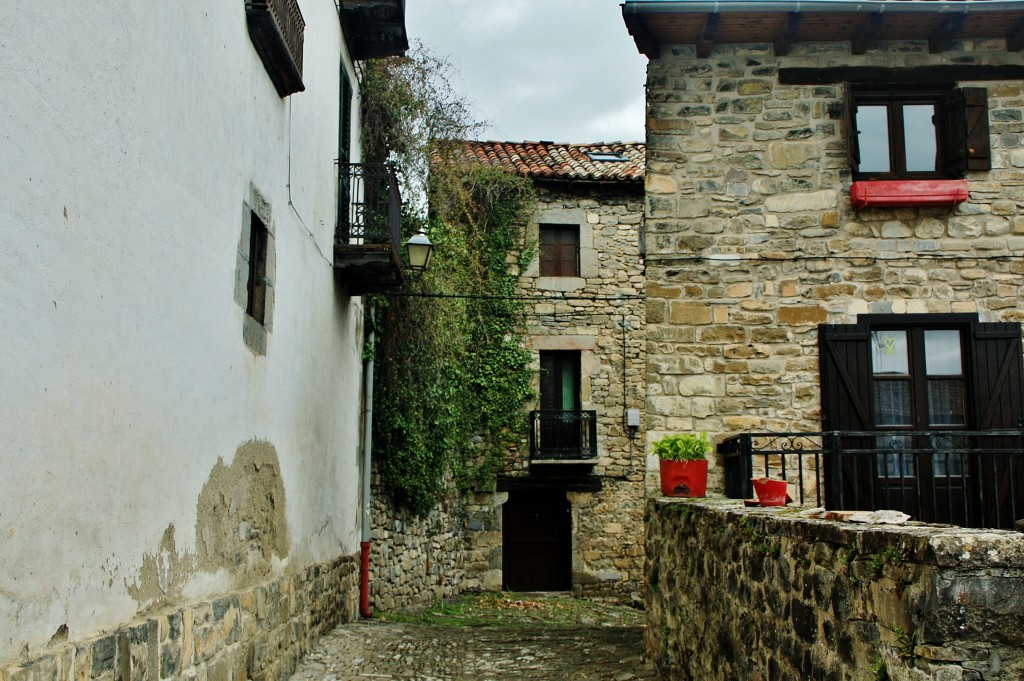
(559, 70)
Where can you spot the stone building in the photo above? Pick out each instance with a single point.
(835, 242)
(183, 333)
(573, 518)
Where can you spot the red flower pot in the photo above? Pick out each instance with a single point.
(684, 478)
(770, 492)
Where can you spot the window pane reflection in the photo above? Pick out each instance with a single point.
(942, 353)
(873, 138)
(946, 403)
(893, 462)
(919, 137)
(892, 403)
(889, 352)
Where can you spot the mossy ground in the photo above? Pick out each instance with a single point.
(510, 609)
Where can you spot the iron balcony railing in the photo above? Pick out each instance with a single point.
(967, 478)
(563, 435)
(369, 205)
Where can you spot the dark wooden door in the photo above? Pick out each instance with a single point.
(537, 541)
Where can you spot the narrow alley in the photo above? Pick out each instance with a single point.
(495, 638)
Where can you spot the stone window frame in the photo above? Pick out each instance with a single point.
(255, 332)
(590, 361)
(588, 264)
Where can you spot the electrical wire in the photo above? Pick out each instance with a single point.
(478, 296)
(729, 259)
(288, 186)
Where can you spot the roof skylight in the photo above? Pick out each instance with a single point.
(606, 156)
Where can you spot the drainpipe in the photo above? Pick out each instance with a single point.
(364, 545)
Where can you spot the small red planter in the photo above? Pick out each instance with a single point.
(907, 193)
(684, 478)
(770, 492)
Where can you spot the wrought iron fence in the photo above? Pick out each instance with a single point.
(563, 435)
(968, 478)
(369, 204)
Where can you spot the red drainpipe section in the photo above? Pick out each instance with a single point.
(364, 580)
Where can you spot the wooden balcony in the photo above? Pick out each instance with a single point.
(276, 29)
(374, 28)
(367, 243)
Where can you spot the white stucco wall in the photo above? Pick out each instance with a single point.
(131, 136)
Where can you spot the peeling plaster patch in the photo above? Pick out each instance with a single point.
(60, 636)
(240, 523)
(163, 573)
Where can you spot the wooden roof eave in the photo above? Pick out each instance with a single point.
(782, 23)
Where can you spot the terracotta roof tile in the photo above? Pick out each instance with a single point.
(547, 160)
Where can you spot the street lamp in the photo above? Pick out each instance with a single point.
(420, 249)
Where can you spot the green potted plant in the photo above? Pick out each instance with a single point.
(683, 464)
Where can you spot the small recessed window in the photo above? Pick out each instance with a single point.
(559, 251)
(256, 302)
(608, 156)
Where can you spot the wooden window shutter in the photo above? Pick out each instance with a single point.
(345, 119)
(845, 363)
(559, 251)
(952, 135)
(850, 121)
(965, 135)
(997, 375)
(344, 154)
(978, 144)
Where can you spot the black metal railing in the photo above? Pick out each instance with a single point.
(563, 435)
(968, 478)
(369, 205)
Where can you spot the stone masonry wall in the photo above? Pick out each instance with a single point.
(752, 241)
(601, 314)
(736, 593)
(259, 633)
(456, 548)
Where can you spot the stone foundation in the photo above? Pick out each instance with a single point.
(259, 633)
(737, 593)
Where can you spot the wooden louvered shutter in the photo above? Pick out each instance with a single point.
(845, 361)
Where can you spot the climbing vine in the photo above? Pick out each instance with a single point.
(451, 371)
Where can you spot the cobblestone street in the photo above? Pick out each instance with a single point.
(540, 651)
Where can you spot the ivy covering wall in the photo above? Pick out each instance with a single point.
(451, 374)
